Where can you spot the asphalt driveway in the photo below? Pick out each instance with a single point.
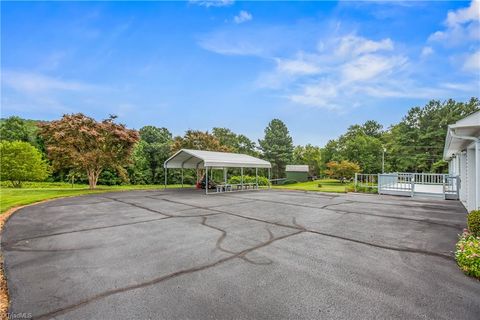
(251, 255)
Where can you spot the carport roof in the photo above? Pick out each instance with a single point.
(187, 158)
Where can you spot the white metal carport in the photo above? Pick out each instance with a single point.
(199, 159)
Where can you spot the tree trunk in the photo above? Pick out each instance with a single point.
(93, 177)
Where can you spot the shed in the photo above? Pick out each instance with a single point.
(298, 173)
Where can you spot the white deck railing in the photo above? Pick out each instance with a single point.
(407, 183)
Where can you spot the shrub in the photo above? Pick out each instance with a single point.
(21, 162)
(363, 189)
(262, 181)
(468, 254)
(289, 181)
(473, 222)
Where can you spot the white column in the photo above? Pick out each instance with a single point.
(477, 175)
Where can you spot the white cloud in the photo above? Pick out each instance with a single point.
(426, 51)
(472, 62)
(243, 16)
(299, 66)
(462, 25)
(33, 83)
(221, 43)
(371, 66)
(340, 71)
(461, 16)
(354, 46)
(212, 3)
(322, 95)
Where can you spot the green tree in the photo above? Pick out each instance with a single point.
(342, 170)
(238, 143)
(361, 144)
(310, 155)
(20, 161)
(156, 147)
(80, 143)
(416, 143)
(199, 140)
(364, 150)
(17, 129)
(139, 169)
(277, 146)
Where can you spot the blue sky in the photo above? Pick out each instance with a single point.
(318, 66)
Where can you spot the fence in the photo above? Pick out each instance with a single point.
(365, 180)
(429, 178)
(409, 184)
(396, 183)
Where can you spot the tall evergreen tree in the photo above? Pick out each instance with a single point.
(277, 146)
(416, 143)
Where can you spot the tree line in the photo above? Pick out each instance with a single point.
(105, 152)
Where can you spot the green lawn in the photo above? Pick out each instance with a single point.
(37, 191)
(327, 185)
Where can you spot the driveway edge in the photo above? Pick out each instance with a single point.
(4, 297)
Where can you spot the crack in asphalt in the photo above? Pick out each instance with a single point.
(299, 229)
(47, 250)
(7, 243)
(224, 234)
(326, 207)
(209, 207)
(175, 274)
(10, 244)
(372, 244)
(164, 213)
(222, 237)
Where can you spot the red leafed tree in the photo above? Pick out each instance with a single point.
(81, 143)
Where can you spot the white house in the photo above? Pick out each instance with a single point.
(462, 151)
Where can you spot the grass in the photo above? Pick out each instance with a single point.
(32, 192)
(326, 185)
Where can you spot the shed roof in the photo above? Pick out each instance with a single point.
(187, 158)
(297, 168)
(468, 126)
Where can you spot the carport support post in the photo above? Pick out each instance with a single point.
(182, 175)
(206, 180)
(225, 175)
(256, 177)
(241, 173)
(269, 182)
(165, 172)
